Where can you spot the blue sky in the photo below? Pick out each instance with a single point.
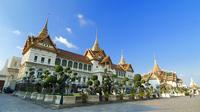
(168, 29)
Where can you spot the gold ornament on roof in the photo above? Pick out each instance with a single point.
(44, 32)
(96, 44)
(122, 60)
(156, 67)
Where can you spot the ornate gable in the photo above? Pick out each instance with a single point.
(106, 61)
(95, 55)
(124, 65)
(89, 54)
(29, 43)
(42, 41)
(127, 67)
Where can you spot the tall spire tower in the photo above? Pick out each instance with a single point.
(156, 68)
(96, 44)
(122, 59)
(44, 32)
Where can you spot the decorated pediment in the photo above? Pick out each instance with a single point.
(42, 41)
(106, 61)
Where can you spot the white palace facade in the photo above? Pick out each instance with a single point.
(40, 53)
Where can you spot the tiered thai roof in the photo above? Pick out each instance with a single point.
(96, 44)
(156, 67)
(125, 66)
(97, 54)
(117, 67)
(122, 60)
(73, 56)
(43, 37)
(106, 60)
(158, 73)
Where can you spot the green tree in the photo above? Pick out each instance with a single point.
(124, 83)
(108, 82)
(139, 88)
(93, 85)
(137, 77)
(45, 81)
(29, 79)
(65, 77)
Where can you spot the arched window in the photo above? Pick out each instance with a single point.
(85, 66)
(69, 64)
(75, 64)
(89, 67)
(39, 72)
(58, 61)
(64, 63)
(80, 66)
(42, 60)
(84, 79)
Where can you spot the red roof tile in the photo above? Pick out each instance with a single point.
(73, 56)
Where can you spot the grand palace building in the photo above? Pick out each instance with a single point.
(40, 53)
(159, 76)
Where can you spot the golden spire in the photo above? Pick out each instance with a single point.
(44, 32)
(122, 59)
(192, 84)
(156, 68)
(96, 44)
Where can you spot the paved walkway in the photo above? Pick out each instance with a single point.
(178, 104)
(181, 104)
(14, 104)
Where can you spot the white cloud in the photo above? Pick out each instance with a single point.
(69, 30)
(16, 32)
(80, 16)
(83, 21)
(65, 42)
(19, 47)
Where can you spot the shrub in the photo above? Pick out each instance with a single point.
(89, 83)
(96, 83)
(58, 68)
(141, 94)
(94, 77)
(132, 95)
(137, 77)
(187, 93)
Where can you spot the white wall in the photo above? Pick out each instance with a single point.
(30, 55)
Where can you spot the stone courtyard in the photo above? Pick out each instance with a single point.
(9, 103)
